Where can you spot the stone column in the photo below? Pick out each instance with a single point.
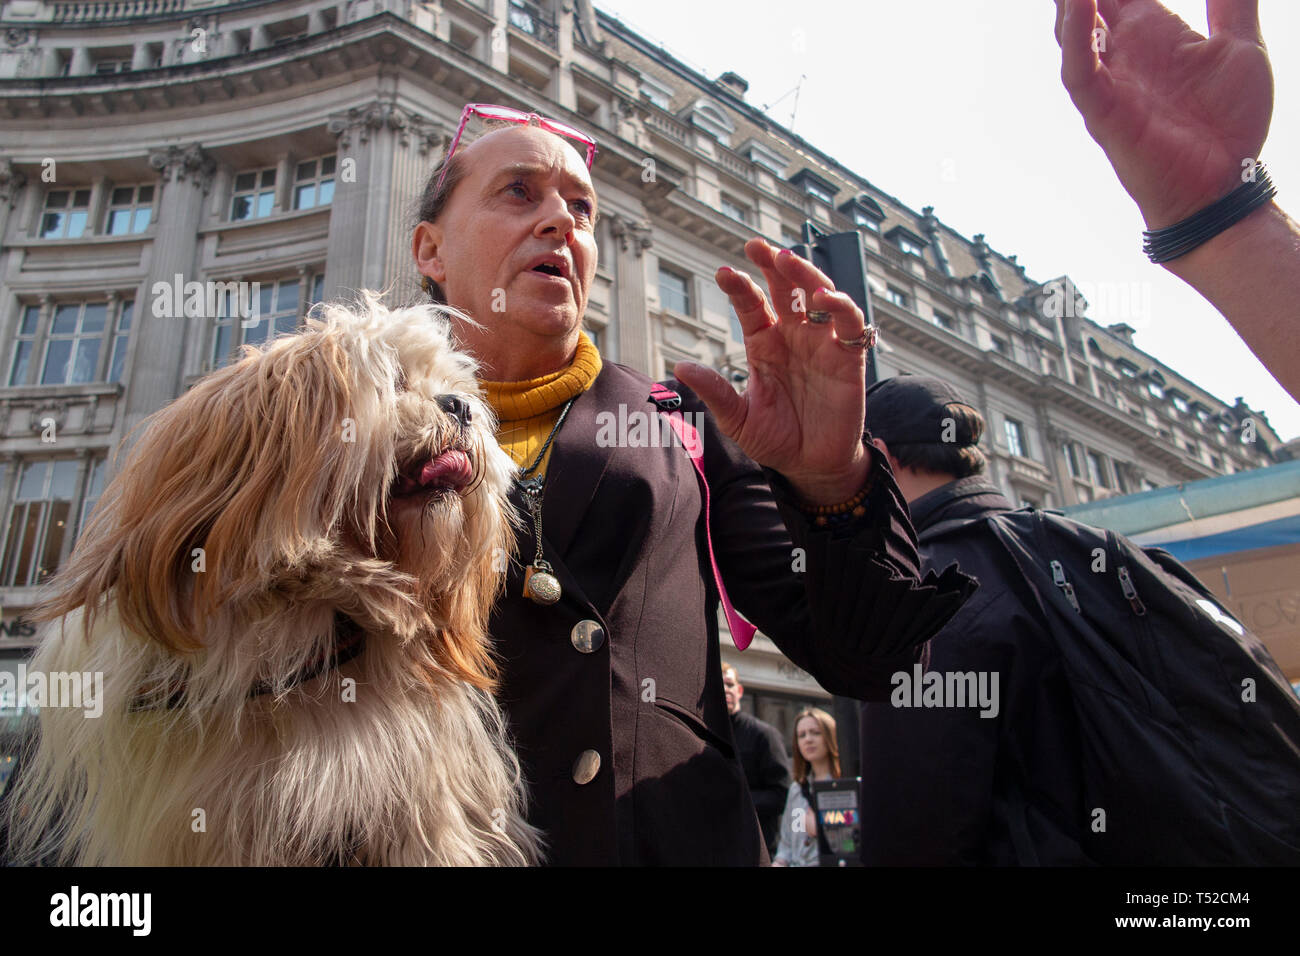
(80, 65)
(1056, 439)
(12, 182)
(157, 367)
(383, 155)
(417, 143)
(565, 94)
(498, 51)
(631, 322)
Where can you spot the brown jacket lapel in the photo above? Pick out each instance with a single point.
(577, 463)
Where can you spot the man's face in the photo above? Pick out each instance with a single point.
(527, 195)
(733, 690)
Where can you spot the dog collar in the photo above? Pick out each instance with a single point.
(349, 642)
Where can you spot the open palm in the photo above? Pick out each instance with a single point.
(1182, 117)
(802, 412)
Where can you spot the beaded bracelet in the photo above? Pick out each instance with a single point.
(827, 515)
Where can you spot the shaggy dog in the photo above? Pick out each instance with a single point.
(286, 589)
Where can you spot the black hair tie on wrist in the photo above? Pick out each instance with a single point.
(1161, 245)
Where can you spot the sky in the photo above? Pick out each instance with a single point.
(958, 104)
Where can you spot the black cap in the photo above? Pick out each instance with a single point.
(912, 409)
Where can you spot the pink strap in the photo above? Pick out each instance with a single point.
(742, 632)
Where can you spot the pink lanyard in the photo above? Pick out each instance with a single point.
(742, 632)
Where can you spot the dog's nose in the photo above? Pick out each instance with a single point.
(455, 406)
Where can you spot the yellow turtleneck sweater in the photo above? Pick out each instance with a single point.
(526, 411)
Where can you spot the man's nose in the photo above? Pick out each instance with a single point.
(456, 407)
(557, 217)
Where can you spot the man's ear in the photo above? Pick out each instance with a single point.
(881, 447)
(426, 249)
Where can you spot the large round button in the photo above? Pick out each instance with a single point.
(587, 636)
(586, 767)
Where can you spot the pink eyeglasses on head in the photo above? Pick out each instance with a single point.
(511, 115)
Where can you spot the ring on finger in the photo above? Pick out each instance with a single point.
(867, 340)
(819, 317)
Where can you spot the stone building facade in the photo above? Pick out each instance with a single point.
(157, 156)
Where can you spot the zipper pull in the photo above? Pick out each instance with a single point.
(1130, 592)
(1058, 578)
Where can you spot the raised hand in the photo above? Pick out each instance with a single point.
(802, 412)
(1176, 113)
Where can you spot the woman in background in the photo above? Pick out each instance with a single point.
(816, 757)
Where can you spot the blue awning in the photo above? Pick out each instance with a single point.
(1268, 534)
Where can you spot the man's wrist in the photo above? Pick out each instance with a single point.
(1262, 226)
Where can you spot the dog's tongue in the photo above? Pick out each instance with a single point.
(451, 469)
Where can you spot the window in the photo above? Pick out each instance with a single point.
(1028, 503)
(1015, 437)
(945, 321)
(896, 296)
(522, 17)
(94, 489)
(674, 291)
(112, 66)
(1097, 470)
(24, 344)
(1127, 370)
(121, 335)
(1216, 461)
(70, 349)
(130, 210)
(38, 521)
(313, 183)
(254, 195)
(1155, 390)
(817, 192)
(1180, 403)
(277, 314)
(1120, 480)
(656, 92)
(734, 209)
(908, 246)
(1071, 460)
(1001, 346)
(862, 218)
(66, 211)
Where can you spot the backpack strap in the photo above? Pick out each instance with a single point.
(669, 405)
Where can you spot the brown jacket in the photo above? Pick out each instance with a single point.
(623, 528)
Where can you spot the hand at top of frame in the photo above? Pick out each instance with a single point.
(1176, 113)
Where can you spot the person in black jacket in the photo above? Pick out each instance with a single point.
(937, 782)
(761, 753)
